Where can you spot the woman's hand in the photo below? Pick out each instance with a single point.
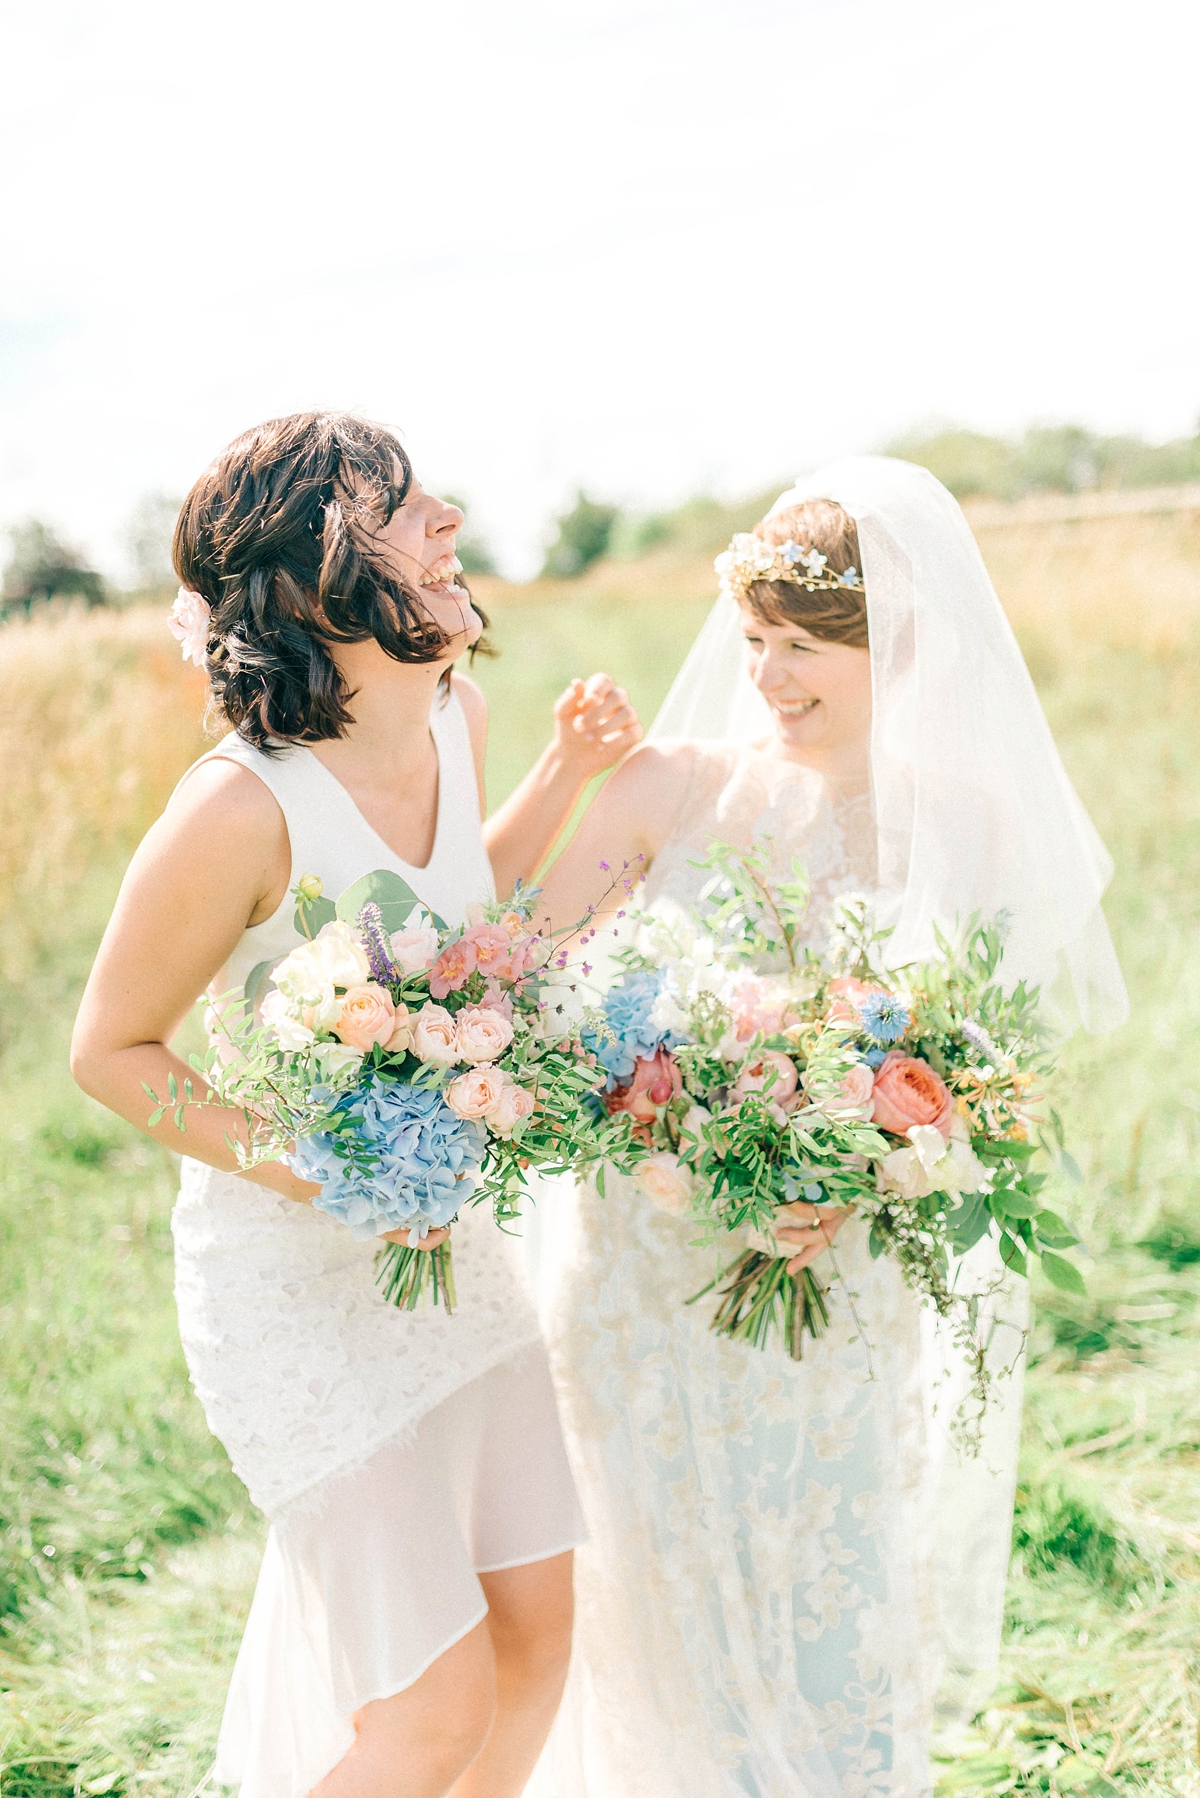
(594, 725)
(433, 1240)
(813, 1232)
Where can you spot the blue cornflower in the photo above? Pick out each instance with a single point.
(422, 1155)
(628, 1007)
(875, 1059)
(884, 1017)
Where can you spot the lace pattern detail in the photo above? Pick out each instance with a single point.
(303, 1368)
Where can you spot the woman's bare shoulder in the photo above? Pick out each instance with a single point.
(221, 807)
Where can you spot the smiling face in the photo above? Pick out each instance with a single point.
(418, 541)
(819, 694)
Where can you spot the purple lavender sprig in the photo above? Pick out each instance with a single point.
(379, 949)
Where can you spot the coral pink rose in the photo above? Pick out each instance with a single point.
(514, 1103)
(367, 1016)
(656, 1080)
(435, 1035)
(848, 996)
(907, 1093)
(491, 944)
(483, 1034)
(453, 967)
(773, 1074)
(475, 1093)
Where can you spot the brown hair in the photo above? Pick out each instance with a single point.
(837, 615)
(274, 537)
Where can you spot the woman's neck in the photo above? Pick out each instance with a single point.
(846, 767)
(390, 702)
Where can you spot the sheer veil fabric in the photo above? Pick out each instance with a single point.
(974, 809)
(705, 1665)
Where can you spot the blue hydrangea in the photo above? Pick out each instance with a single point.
(421, 1151)
(627, 1007)
(884, 1017)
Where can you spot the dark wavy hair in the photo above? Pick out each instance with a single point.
(274, 536)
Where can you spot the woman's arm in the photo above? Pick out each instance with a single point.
(216, 861)
(627, 823)
(594, 726)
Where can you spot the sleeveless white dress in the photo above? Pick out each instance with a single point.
(397, 1455)
(755, 1612)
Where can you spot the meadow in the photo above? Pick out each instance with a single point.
(127, 1549)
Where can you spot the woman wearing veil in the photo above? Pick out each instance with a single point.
(789, 1561)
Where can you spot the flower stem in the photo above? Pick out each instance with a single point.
(414, 1278)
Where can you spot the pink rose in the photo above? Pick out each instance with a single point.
(514, 1103)
(772, 1073)
(757, 1005)
(453, 968)
(435, 1035)
(656, 1081)
(475, 1093)
(402, 1032)
(483, 1034)
(854, 1095)
(414, 947)
(848, 998)
(367, 1017)
(491, 944)
(190, 624)
(908, 1093)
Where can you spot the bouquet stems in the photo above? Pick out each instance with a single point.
(414, 1278)
(760, 1298)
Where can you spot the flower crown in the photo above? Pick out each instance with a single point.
(749, 559)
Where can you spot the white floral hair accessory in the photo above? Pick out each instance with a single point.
(190, 624)
(749, 559)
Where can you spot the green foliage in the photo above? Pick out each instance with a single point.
(42, 567)
(1051, 458)
(583, 537)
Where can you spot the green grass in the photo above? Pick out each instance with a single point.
(115, 1648)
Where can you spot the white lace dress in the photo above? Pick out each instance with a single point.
(755, 1613)
(397, 1454)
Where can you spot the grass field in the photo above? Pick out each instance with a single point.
(127, 1550)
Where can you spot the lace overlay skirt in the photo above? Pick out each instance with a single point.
(755, 1606)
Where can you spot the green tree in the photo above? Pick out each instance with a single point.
(583, 536)
(42, 567)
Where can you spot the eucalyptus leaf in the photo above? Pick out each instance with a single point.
(394, 897)
(1063, 1274)
(310, 919)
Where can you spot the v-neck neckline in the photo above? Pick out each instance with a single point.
(439, 822)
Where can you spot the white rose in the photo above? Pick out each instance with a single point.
(335, 957)
(336, 1059)
(415, 947)
(278, 1015)
(666, 1183)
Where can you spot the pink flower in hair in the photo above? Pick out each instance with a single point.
(190, 624)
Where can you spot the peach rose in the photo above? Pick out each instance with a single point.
(453, 968)
(666, 1183)
(402, 1033)
(757, 1005)
(435, 1035)
(772, 1073)
(492, 946)
(848, 996)
(483, 1033)
(367, 1017)
(513, 925)
(908, 1092)
(475, 1093)
(515, 1102)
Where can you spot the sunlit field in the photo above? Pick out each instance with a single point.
(128, 1551)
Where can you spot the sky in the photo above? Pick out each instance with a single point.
(653, 247)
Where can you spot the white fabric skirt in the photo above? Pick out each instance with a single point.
(366, 1583)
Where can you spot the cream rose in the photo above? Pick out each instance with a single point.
(335, 957)
(476, 1092)
(514, 1104)
(435, 1036)
(368, 1016)
(415, 947)
(402, 1031)
(278, 1015)
(665, 1182)
(483, 1034)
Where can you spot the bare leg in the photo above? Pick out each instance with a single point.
(416, 1744)
(529, 1618)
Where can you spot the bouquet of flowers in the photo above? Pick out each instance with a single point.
(909, 1094)
(407, 1068)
